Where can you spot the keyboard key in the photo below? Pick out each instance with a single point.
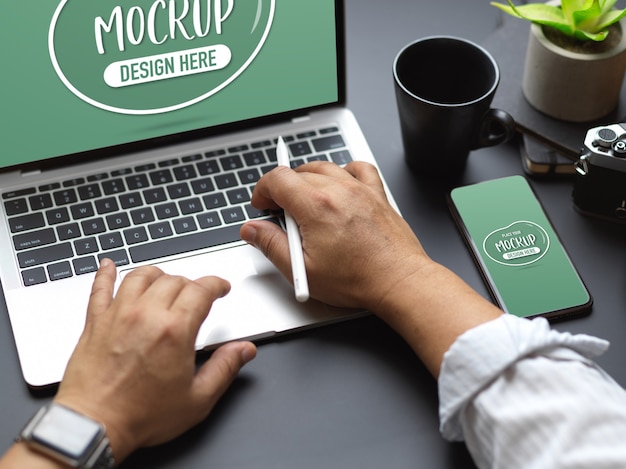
(45, 255)
(238, 196)
(176, 191)
(74, 182)
(57, 215)
(184, 225)
(110, 241)
(238, 148)
(202, 186)
(16, 206)
(233, 215)
(114, 186)
(86, 246)
(189, 206)
(26, 222)
(168, 163)
(255, 212)
(118, 257)
(40, 201)
(332, 142)
(249, 176)
(165, 211)
(224, 181)
(118, 221)
(107, 205)
(85, 265)
(135, 235)
(231, 162)
(254, 158)
(121, 172)
(300, 149)
(155, 195)
(208, 167)
(342, 157)
(93, 226)
(214, 200)
(185, 243)
(145, 167)
(65, 197)
(183, 173)
(69, 231)
(90, 191)
(163, 176)
(97, 177)
(34, 276)
(137, 181)
(317, 158)
(33, 239)
(131, 200)
(160, 230)
(60, 271)
(209, 220)
(18, 193)
(142, 215)
(190, 158)
(81, 211)
(214, 153)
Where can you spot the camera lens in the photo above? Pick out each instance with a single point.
(619, 148)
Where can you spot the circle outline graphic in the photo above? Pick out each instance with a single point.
(545, 233)
(175, 107)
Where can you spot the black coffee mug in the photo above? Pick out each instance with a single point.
(444, 89)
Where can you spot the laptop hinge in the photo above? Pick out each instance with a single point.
(296, 120)
(30, 172)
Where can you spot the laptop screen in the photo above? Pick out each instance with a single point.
(82, 75)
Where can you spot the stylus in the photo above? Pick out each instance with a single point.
(298, 269)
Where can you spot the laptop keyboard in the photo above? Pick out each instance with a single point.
(148, 212)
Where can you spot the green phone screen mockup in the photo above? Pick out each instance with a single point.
(520, 255)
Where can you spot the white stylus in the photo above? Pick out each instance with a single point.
(298, 269)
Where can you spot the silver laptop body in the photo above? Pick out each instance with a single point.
(157, 200)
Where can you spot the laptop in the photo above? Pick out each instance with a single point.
(136, 130)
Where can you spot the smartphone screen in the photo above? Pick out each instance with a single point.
(520, 255)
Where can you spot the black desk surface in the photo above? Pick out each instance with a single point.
(353, 395)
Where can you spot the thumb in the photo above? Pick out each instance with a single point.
(271, 240)
(214, 377)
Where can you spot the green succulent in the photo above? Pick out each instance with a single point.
(583, 19)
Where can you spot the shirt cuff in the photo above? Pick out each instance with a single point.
(481, 354)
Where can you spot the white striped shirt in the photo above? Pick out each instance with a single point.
(524, 396)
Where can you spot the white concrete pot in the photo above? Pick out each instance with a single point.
(571, 86)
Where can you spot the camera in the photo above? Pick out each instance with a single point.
(600, 180)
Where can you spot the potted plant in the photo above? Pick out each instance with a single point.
(576, 57)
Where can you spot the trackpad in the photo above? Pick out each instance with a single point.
(261, 301)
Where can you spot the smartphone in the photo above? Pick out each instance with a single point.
(520, 256)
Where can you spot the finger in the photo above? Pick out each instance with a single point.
(325, 168)
(102, 289)
(366, 173)
(271, 240)
(196, 299)
(216, 375)
(273, 188)
(136, 283)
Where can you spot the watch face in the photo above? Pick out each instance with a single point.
(66, 432)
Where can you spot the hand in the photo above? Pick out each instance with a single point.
(356, 246)
(134, 366)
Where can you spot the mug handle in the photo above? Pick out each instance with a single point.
(497, 126)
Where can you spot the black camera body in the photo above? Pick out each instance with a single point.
(600, 181)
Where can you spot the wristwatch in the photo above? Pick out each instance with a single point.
(69, 437)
